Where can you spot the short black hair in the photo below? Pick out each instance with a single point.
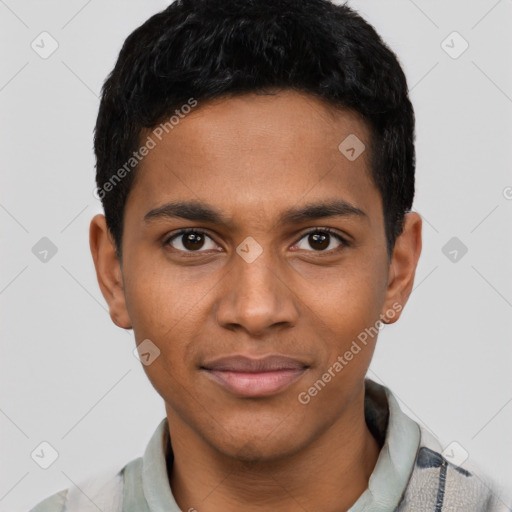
(204, 49)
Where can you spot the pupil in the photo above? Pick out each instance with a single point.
(319, 240)
(193, 241)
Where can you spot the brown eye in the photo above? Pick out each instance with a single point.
(191, 241)
(321, 240)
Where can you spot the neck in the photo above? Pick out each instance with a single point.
(329, 474)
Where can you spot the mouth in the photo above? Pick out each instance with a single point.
(248, 377)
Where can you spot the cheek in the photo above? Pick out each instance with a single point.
(160, 299)
(348, 309)
(350, 296)
(169, 311)
(165, 317)
(348, 317)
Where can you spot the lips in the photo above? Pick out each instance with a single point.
(249, 377)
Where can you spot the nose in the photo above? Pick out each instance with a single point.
(255, 296)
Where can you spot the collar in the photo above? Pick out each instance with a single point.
(387, 483)
(395, 464)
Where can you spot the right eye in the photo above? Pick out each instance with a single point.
(190, 240)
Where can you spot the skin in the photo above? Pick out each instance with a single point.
(251, 158)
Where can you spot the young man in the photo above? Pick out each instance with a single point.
(255, 160)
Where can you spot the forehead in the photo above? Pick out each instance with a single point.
(258, 153)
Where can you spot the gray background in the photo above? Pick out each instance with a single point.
(68, 374)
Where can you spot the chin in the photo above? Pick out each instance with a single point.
(255, 447)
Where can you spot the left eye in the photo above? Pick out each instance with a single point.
(322, 240)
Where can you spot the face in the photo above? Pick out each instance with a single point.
(282, 267)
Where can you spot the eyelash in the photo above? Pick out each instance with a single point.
(331, 232)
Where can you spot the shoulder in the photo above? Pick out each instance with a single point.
(54, 503)
(445, 480)
(102, 491)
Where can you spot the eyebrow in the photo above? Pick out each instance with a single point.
(196, 211)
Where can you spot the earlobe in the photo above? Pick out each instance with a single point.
(402, 269)
(108, 270)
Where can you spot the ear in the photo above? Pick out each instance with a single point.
(108, 270)
(402, 269)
